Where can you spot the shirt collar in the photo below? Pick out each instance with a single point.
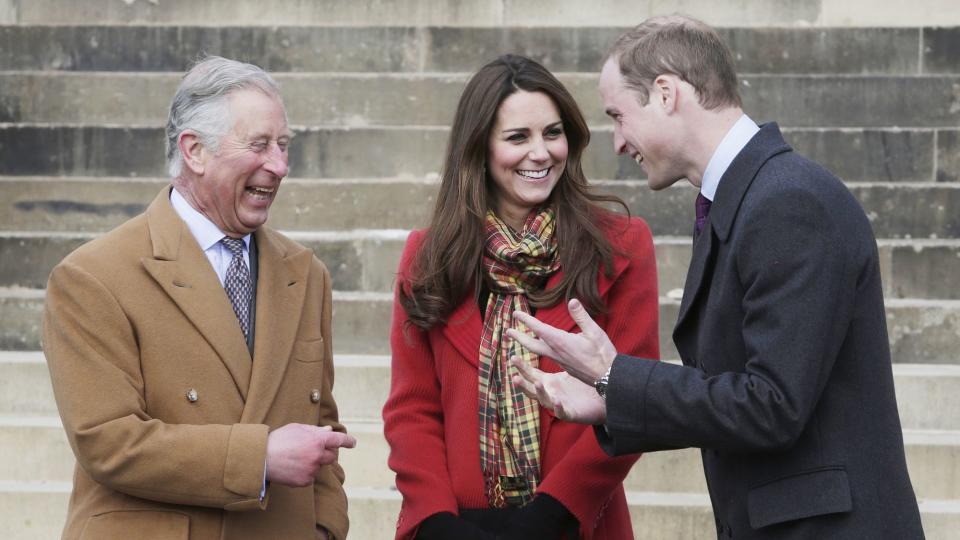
(204, 231)
(733, 142)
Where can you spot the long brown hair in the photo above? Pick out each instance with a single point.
(447, 266)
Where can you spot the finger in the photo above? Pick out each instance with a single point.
(339, 440)
(529, 372)
(580, 316)
(540, 329)
(531, 343)
(525, 386)
(559, 411)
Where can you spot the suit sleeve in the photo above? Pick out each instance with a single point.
(587, 476)
(92, 353)
(797, 302)
(413, 418)
(330, 500)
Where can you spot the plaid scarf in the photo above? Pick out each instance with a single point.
(514, 263)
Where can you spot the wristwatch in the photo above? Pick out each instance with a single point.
(601, 383)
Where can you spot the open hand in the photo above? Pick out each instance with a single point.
(587, 355)
(568, 398)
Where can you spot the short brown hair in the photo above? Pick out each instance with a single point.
(681, 46)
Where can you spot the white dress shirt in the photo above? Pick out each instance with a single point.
(733, 142)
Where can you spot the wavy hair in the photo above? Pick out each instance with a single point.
(447, 267)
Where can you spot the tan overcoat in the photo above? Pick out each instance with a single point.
(165, 410)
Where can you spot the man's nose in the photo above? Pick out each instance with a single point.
(619, 143)
(277, 161)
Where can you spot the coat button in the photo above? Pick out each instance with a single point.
(315, 396)
(192, 395)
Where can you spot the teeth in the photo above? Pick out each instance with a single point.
(638, 158)
(534, 174)
(261, 190)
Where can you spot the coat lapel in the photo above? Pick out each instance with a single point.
(734, 183)
(183, 271)
(281, 289)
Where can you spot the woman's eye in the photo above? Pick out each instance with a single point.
(516, 137)
(555, 132)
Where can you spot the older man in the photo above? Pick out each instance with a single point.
(786, 382)
(190, 348)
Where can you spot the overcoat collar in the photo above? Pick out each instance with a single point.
(734, 184)
(465, 325)
(183, 271)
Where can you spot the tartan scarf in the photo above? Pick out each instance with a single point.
(513, 263)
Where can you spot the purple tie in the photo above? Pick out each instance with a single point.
(703, 210)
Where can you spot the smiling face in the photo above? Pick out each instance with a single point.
(527, 154)
(235, 187)
(644, 132)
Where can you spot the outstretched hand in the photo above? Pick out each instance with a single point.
(587, 355)
(568, 398)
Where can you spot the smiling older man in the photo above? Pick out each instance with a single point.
(190, 348)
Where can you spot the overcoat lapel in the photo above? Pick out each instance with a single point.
(183, 271)
(734, 184)
(281, 289)
(465, 325)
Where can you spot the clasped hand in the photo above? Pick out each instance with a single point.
(586, 356)
(295, 452)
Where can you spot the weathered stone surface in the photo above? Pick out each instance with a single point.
(165, 48)
(20, 313)
(70, 151)
(430, 99)
(363, 49)
(33, 511)
(923, 331)
(948, 154)
(274, 13)
(941, 50)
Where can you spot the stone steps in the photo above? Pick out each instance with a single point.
(928, 395)
(358, 99)
(896, 210)
(920, 331)
(824, 13)
(854, 154)
(916, 50)
(366, 260)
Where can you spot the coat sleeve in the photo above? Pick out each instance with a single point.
(93, 356)
(413, 418)
(587, 477)
(798, 296)
(330, 501)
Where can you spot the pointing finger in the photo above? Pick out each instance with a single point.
(580, 316)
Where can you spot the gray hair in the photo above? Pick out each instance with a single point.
(200, 103)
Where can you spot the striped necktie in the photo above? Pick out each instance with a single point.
(703, 210)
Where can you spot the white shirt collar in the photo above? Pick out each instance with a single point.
(731, 145)
(205, 231)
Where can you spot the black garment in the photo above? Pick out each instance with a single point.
(544, 518)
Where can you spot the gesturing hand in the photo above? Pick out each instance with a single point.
(587, 355)
(568, 398)
(295, 452)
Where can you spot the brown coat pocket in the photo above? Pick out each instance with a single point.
(140, 524)
(810, 493)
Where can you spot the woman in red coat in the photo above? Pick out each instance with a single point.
(516, 227)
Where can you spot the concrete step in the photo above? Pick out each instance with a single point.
(37, 510)
(854, 154)
(366, 260)
(920, 331)
(495, 13)
(928, 395)
(358, 99)
(896, 210)
(406, 48)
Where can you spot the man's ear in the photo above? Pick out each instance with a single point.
(193, 151)
(665, 93)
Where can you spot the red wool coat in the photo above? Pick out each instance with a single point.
(430, 418)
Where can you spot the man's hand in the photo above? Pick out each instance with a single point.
(568, 398)
(587, 355)
(295, 452)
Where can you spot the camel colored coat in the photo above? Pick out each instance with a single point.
(135, 322)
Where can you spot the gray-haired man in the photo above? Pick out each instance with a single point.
(190, 348)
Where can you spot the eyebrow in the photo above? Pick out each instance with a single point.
(509, 130)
